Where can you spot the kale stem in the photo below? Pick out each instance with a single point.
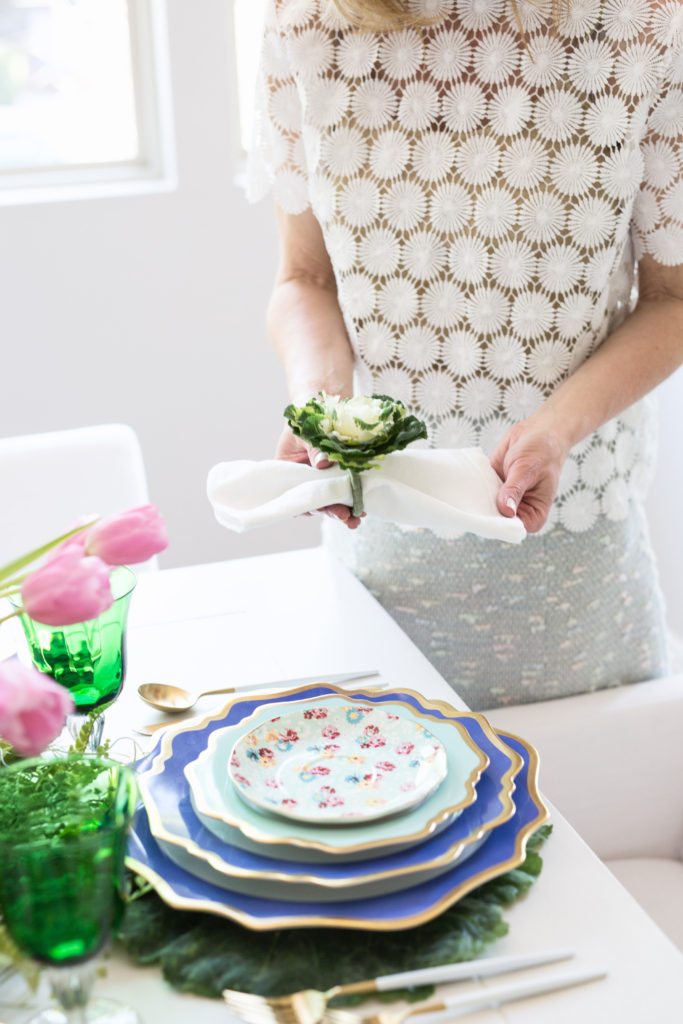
(356, 492)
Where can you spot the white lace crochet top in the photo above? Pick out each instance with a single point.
(483, 201)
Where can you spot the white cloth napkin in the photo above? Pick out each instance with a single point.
(448, 491)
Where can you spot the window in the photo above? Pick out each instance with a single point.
(84, 98)
(248, 28)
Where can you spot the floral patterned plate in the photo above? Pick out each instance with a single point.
(338, 765)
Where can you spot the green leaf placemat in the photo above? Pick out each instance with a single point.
(204, 954)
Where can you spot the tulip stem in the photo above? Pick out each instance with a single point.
(12, 567)
(12, 587)
(17, 611)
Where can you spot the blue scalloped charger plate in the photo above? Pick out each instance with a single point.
(503, 850)
(181, 833)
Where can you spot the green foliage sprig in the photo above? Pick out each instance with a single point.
(25, 804)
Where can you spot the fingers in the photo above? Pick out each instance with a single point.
(527, 492)
(290, 448)
(294, 449)
(530, 503)
(497, 459)
(507, 505)
(318, 458)
(528, 459)
(519, 480)
(344, 514)
(341, 512)
(533, 512)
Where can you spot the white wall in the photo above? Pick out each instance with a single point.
(665, 501)
(150, 311)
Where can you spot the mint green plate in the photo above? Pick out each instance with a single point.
(221, 810)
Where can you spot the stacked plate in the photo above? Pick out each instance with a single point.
(371, 810)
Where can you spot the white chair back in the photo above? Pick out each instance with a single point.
(49, 481)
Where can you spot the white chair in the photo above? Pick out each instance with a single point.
(49, 481)
(612, 761)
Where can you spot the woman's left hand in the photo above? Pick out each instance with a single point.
(529, 460)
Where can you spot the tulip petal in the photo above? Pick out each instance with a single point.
(33, 707)
(131, 537)
(68, 589)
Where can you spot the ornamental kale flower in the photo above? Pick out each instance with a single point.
(357, 433)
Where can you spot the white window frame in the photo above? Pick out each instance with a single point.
(155, 168)
(243, 84)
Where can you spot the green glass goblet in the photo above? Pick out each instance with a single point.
(63, 832)
(88, 658)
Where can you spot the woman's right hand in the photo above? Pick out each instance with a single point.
(295, 449)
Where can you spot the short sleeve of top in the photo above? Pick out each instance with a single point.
(276, 161)
(658, 210)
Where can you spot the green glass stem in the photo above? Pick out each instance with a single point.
(71, 987)
(85, 731)
(356, 493)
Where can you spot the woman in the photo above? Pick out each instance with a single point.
(480, 205)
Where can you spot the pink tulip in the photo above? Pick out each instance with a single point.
(75, 543)
(133, 536)
(67, 589)
(32, 707)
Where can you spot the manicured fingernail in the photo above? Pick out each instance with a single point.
(319, 458)
(511, 504)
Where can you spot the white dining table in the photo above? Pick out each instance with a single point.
(300, 613)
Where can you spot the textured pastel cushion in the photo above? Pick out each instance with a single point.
(657, 884)
(612, 761)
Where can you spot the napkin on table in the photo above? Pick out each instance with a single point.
(448, 491)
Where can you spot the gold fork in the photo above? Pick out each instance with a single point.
(308, 1006)
(469, 1002)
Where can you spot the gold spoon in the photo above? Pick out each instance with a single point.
(174, 699)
